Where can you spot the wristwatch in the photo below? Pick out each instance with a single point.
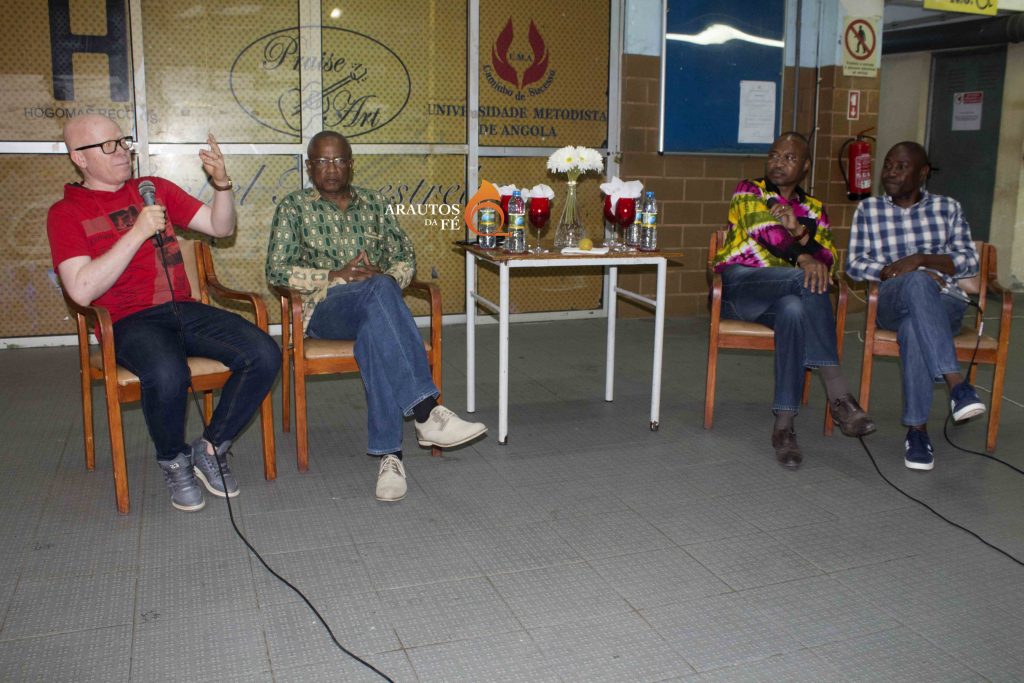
(223, 188)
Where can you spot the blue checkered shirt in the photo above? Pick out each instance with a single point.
(883, 233)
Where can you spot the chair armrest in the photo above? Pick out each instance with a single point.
(871, 318)
(291, 316)
(995, 288)
(842, 284)
(291, 302)
(715, 296)
(101, 315)
(850, 282)
(98, 313)
(208, 279)
(842, 299)
(214, 284)
(259, 308)
(433, 293)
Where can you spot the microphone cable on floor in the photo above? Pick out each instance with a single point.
(931, 509)
(158, 238)
(945, 433)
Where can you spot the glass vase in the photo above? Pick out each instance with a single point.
(570, 229)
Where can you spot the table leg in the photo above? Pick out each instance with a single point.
(609, 360)
(470, 333)
(503, 306)
(659, 338)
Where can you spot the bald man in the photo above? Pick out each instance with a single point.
(103, 247)
(918, 244)
(775, 265)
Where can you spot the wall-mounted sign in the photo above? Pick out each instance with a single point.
(861, 48)
(967, 6)
(853, 106)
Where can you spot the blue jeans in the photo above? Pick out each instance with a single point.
(925, 321)
(804, 324)
(389, 351)
(149, 343)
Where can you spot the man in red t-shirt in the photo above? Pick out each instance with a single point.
(103, 244)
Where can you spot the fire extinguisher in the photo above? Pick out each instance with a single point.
(858, 160)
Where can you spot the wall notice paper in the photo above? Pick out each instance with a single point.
(967, 110)
(757, 112)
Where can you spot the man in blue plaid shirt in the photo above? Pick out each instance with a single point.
(918, 245)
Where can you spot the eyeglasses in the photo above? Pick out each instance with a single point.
(340, 162)
(784, 158)
(108, 146)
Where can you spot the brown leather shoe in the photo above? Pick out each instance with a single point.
(787, 452)
(850, 417)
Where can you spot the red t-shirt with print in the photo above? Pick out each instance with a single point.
(89, 222)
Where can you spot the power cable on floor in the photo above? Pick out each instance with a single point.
(945, 433)
(227, 499)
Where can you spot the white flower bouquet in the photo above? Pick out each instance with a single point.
(575, 161)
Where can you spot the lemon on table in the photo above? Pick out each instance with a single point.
(586, 244)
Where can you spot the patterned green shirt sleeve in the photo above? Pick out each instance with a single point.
(310, 237)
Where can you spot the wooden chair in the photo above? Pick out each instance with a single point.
(329, 357)
(736, 334)
(122, 386)
(991, 350)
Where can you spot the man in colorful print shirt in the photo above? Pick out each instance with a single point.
(775, 266)
(339, 246)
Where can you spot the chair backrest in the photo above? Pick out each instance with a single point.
(191, 256)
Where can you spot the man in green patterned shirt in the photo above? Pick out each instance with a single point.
(339, 246)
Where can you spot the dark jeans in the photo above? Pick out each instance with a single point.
(389, 351)
(925, 321)
(149, 344)
(804, 324)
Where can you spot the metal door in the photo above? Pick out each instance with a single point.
(963, 130)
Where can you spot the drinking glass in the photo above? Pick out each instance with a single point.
(625, 214)
(609, 215)
(540, 212)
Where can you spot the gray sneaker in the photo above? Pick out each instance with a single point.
(185, 492)
(207, 471)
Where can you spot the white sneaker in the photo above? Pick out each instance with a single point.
(445, 429)
(391, 479)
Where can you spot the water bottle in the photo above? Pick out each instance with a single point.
(487, 225)
(632, 236)
(515, 243)
(649, 230)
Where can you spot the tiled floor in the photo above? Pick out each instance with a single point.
(587, 549)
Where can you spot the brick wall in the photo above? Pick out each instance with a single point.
(694, 190)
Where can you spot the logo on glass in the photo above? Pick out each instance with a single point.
(507, 60)
(491, 219)
(366, 85)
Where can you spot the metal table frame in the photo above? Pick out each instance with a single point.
(506, 262)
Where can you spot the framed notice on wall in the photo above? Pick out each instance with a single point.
(722, 65)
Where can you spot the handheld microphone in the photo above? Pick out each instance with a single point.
(147, 190)
(954, 291)
(772, 201)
